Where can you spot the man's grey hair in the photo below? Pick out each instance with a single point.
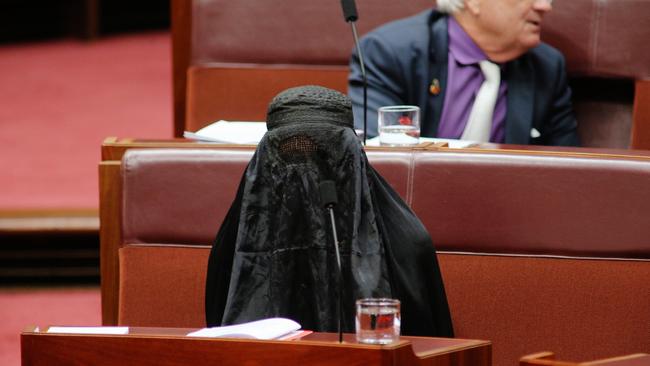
(449, 6)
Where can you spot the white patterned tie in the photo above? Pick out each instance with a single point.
(479, 123)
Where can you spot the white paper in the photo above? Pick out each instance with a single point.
(89, 330)
(454, 144)
(271, 328)
(230, 132)
(250, 133)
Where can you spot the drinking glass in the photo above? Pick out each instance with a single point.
(378, 321)
(399, 125)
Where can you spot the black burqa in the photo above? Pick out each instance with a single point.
(274, 254)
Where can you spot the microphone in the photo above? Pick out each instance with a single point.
(350, 15)
(329, 199)
(349, 10)
(328, 193)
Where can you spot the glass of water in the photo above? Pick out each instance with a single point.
(399, 125)
(378, 321)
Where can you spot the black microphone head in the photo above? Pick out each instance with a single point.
(328, 193)
(349, 10)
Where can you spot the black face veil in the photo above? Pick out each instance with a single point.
(274, 254)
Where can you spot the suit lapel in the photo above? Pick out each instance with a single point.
(437, 69)
(521, 99)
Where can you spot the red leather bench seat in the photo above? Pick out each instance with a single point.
(537, 252)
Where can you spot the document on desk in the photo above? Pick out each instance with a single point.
(89, 330)
(272, 328)
(230, 132)
(453, 144)
(250, 133)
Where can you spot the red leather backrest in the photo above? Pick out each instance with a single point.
(601, 37)
(288, 31)
(178, 196)
(583, 309)
(598, 37)
(181, 196)
(499, 203)
(478, 202)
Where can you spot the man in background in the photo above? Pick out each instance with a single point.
(441, 59)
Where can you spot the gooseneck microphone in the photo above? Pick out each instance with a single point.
(350, 15)
(328, 197)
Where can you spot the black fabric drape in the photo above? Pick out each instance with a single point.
(274, 254)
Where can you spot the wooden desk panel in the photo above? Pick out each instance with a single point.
(113, 148)
(168, 346)
(548, 359)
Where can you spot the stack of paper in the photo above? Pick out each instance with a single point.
(230, 132)
(89, 330)
(272, 328)
(454, 144)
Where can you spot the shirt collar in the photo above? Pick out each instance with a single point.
(461, 46)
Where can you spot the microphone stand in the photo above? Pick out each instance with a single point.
(328, 197)
(338, 262)
(364, 80)
(350, 14)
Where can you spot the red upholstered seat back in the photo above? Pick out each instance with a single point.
(484, 202)
(285, 32)
(532, 204)
(594, 35)
(604, 55)
(584, 309)
(178, 196)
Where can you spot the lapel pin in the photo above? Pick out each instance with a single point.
(434, 88)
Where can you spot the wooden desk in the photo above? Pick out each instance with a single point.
(548, 359)
(170, 346)
(113, 148)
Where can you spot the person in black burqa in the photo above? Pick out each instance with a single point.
(274, 254)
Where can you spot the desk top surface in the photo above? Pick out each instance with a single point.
(169, 346)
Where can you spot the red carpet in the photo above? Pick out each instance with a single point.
(21, 308)
(59, 100)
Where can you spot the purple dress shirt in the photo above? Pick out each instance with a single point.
(464, 78)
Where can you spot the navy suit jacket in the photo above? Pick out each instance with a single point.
(403, 57)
